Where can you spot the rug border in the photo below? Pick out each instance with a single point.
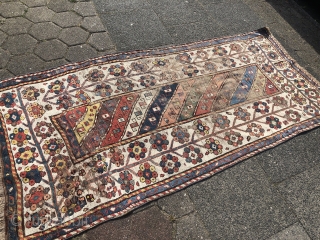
(119, 57)
(56, 72)
(3, 200)
(310, 124)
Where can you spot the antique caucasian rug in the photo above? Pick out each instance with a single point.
(88, 142)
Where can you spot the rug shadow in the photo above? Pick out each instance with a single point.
(300, 20)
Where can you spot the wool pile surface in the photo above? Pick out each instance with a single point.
(90, 141)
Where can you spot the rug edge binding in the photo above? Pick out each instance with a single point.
(3, 201)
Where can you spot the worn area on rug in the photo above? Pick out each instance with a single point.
(90, 141)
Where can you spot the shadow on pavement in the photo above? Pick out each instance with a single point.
(300, 20)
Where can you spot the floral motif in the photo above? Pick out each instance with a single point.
(209, 66)
(254, 49)
(289, 73)
(39, 218)
(159, 141)
(126, 181)
(273, 122)
(221, 51)
(255, 130)
(147, 81)
(168, 76)
(32, 175)
(73, 81)
(74, 204)
(108, 188)
(292, 115)
(83, 97)
(48, 107)
(20, 137)
(311, 110)
(60, 164)
(268, 68)
(192, 154)
(95, 75)
(160, 62)
(53, 146)
(272, 55)
(233, 138)
(14, 117)
(116, 156)
(36, 197)
(202, 54)
(56, 87)
(280, 64)
(242, 114)
(312, 93)
(184, 58)
(35, 110)
(98, 164)
(278, 78)
(300, 83)
(200, 127)
(137, 150)
(139, 67)
(236, 47)
(259, 58)
(190, 70)
(169, 164)
(117, 70)
(213, 146)
(90, 197)
(67, 186)
(180, 134)
(43, 129)
(228, 62)
(147, 173)
(26, 155)
(30, 93)
(298, 98)
(221, 121)
(124, 85)
(82, 172)
(244, 58)
(65, 102)
(8, 99)
(103, 90)
(261, 107)
(279, 101)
